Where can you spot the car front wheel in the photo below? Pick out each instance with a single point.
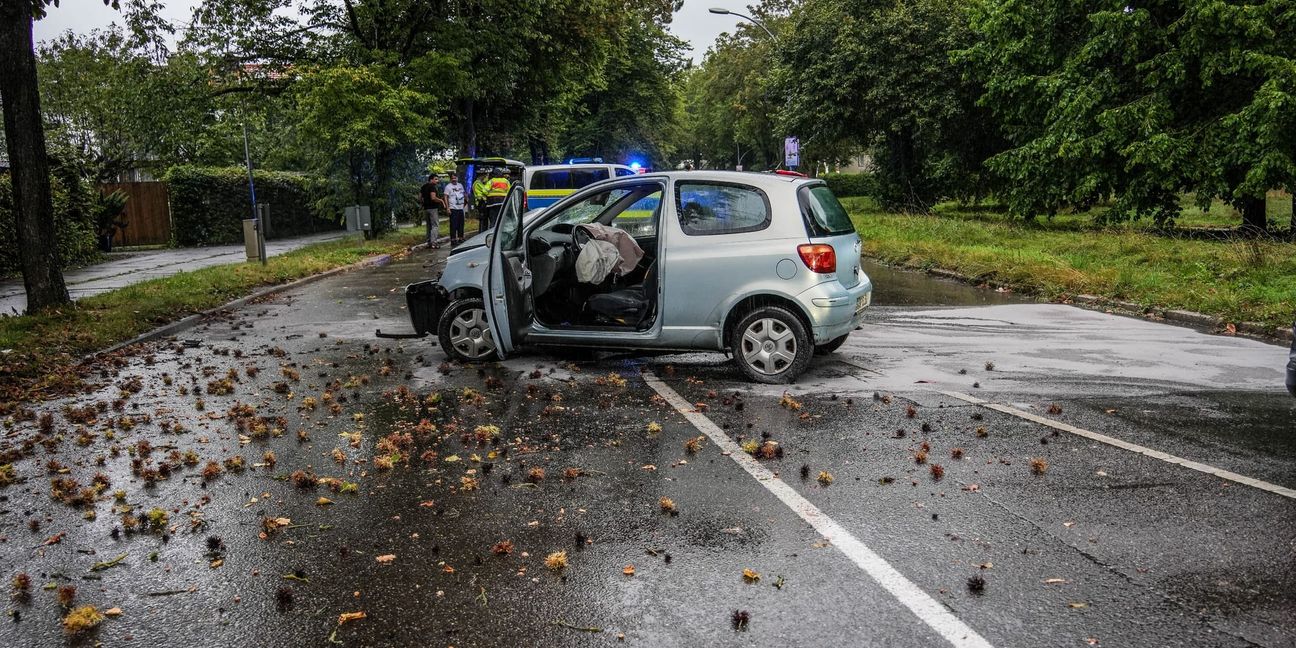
(771, 345)
(464, 333)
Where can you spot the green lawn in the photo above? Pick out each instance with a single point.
(1237, 280)
(43, 349)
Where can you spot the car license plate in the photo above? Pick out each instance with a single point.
(862, 301)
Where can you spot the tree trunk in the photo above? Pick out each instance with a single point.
(33, 207)
(1254, 219)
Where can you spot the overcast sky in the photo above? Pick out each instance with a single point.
(693, 23)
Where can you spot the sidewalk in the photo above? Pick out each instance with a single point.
(125, 268)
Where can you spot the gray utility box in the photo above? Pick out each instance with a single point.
(251, 239)
(357, 218)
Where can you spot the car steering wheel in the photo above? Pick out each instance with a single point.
(580, 236)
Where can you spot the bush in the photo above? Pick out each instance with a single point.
(208, 205)
(73, 222)
(851, 184)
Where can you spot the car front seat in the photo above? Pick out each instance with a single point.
(628, 306)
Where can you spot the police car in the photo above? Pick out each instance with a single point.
(547, 184)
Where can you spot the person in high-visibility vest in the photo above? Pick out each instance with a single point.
(480, 184)
(496, 191)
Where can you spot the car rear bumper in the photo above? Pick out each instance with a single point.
(834, 309)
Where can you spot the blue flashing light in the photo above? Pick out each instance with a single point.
(636, 166)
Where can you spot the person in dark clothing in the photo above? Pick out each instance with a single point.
(430, 198)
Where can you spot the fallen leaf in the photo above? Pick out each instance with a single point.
(750, 576)
(1054, 581)
(350, 616)
(386, 558)
(113, 612)
(629, 570)
(217, 563)
(323, 501)
(1078, 605)
(451, 459)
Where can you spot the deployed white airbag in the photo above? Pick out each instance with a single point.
(596, 260)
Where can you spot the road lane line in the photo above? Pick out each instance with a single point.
(1126, 445)
(926, 608)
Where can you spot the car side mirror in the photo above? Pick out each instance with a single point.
(490, 239)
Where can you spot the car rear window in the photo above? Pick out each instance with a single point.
(717, 208)
(566, 178)
(827, 214)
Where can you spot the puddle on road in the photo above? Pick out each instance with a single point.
(894, 287)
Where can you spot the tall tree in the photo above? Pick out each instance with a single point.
(1140, 100)
(28, 160)
(877, 73)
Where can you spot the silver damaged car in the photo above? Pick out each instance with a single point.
(762, 266)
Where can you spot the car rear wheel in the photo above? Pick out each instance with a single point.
(464, 333)
(772, 345)
(830, 346)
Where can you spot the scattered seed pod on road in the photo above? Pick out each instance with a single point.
(1039, 465)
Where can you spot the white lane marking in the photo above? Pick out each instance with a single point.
(926, 608)
(1126, 445)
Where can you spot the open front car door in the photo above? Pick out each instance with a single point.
(508, 279)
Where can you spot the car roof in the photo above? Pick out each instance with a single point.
(758, 179)
(578, 165)
(496, 161)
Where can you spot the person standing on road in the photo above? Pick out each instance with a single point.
(496, 191)
(479, 188)
(456, 201)
(432, 204)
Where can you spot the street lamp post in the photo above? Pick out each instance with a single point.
(720, 11)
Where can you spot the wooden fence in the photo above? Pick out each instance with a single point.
(148, 216)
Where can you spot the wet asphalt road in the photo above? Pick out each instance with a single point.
(1105, 547)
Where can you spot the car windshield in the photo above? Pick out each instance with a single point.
(827, 212)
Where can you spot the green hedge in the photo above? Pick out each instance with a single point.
(73, 220)
(208, 205)
(851, 184)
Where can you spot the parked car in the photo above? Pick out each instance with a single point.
(763, 266)
(1291, 364)
(547, 184)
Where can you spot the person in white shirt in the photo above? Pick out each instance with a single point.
(456, 201)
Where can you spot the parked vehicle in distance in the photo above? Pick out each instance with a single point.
(549, 183)
(763, 266)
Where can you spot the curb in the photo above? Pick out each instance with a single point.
(192, 320)
(1118, 307)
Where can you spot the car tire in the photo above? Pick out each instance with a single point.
(463, 332)
(771, 345)
(830, 346)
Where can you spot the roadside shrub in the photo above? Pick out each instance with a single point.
(851, 184)
(208, 205)
(73, 221)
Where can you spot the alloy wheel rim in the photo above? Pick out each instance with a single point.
(768, 346)
(470, 334)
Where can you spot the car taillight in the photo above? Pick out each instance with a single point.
(818, 257)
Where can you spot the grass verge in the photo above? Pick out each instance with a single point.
(40, 352)
(1238, 280)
